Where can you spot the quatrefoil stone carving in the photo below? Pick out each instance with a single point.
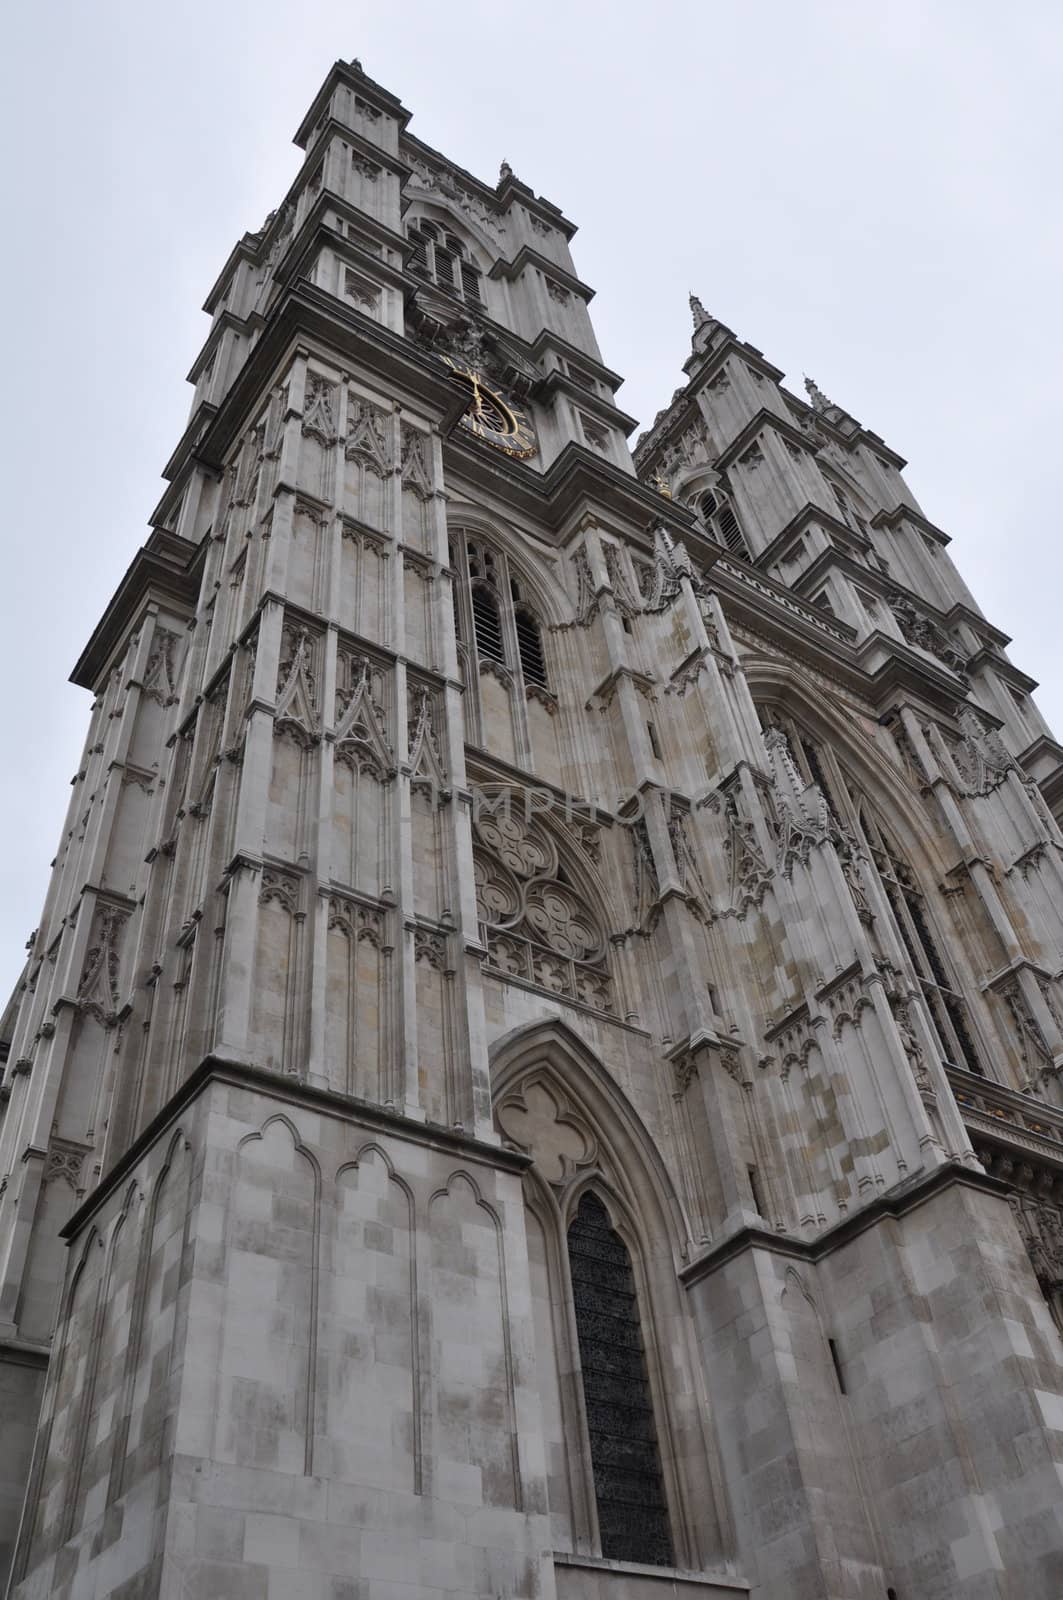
(535, 1122)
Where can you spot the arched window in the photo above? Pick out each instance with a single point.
(625, 1461)
(487, 624)
(847, 510)
(529, 637)
(441, 258)
(498, 631)
(911, 917)
(718, 515)
(536, 921)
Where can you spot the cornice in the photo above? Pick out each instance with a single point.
(20, 1353)
(527, 257)
(166, 568)
(547, 339)
(246, 247)
(905, 513)
(304, 313)
(290, 1091)
(370, 91)
(333, 128)
(764, 418)
(556, 382)
(897, 1203)
(195, 428)
(222, 323)
(808, 514)
(500, 197)
(1004, 669)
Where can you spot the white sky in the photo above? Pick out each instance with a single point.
(867, 193)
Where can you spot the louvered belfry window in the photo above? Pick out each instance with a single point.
(487, 624)
(719, 517)
(628, 1484)
(442, 258)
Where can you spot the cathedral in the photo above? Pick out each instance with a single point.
(539, 1074)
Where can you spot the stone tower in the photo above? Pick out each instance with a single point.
(539, 1070)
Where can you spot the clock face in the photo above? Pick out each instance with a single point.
(498, 422)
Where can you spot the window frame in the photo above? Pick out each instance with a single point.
(510, 594)
(431, 239)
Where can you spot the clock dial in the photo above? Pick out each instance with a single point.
(491, 418)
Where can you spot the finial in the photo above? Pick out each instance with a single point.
(815, 394)
(698, 312)
(505, 171)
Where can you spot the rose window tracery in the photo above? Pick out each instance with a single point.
(536, 924)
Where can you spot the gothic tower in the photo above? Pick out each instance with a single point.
(539, 1070)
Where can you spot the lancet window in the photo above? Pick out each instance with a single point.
(721, 520)
(625, 1461)
(499, 633)
(441, 258)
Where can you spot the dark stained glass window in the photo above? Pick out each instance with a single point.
(628, 1487)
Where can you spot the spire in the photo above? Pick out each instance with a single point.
(698, 312)
(816, 396)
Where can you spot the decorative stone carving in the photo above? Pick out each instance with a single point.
(296, 713)
(1033, 1046)
(160, 674)
(361, 737)
(537, 924)
(319, 409)
(98, 994)
(539, 1122)
(626, 603)
(749, 872)
(920, 630)
(65, 1161)
(279, 886)
(586, 596)
(416, 473)
(803, 817)
(426, 768)
(430, 947)
(443, 184)
(686, 863)
(980, 756)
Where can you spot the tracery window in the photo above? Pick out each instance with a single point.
(911, 916)
(499, 632)
(441, 258)
(536, 923)
(628, 1484)
(913, 924)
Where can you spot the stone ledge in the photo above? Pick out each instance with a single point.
(291, 1091)
(897, 1203)
(595, 1578)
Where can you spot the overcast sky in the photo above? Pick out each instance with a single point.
(868, 193)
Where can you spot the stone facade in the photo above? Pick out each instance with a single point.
(539, 1069)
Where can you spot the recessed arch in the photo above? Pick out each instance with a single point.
(779, 684)
(624, 1175)
(885, 825)
(552, 1050)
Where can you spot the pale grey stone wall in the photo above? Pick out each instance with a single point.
(296, 1354)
